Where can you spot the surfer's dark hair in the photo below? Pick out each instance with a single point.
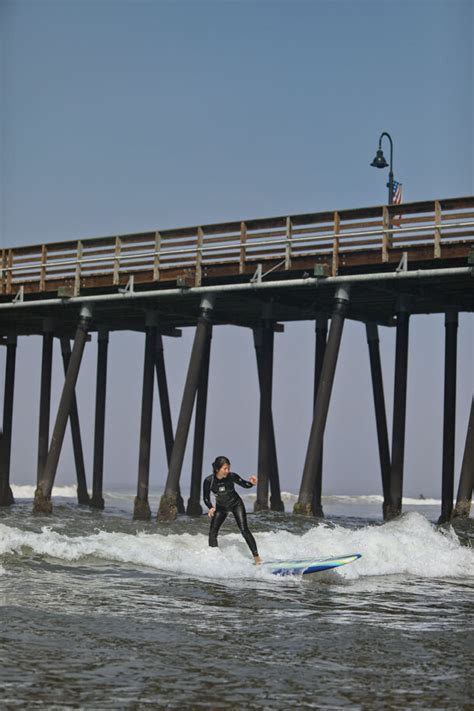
(218, 463)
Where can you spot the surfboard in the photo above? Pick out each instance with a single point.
(307, 566)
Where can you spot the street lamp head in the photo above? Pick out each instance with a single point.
(379, 160)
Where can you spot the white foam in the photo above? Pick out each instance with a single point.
(25, 491)
(290, 499)
(410, 545)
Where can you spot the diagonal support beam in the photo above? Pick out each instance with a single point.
(194, 507)
(315, 445)
(42, 502)
(466, 480)
(168, 505)
(82, 495)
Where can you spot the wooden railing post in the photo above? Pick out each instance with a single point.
(437, 232)
(243, 241)
(3, 274)
(10, 271)
(200, 238)
(156, 261)
(335, 244)
(118, 247)
(387, 235)
(289, 235)
(77, 278)
(44, 258)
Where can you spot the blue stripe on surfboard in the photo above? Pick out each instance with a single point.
(308, 565)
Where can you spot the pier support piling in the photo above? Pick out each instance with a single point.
(380, 412)
(304, 504)
(82, 495)
(45, 399)
(466, 480)
(449, 422)
(97, 500)
(267, 444)
(321, 340)
(42, 500)
(164, 396)
(168, 505)
(399, 412)
(6, 494)
(264, 339)
(165, 408)
(194, 507)
(141, 509)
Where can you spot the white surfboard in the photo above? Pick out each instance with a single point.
(307, 566)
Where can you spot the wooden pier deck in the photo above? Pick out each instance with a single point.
(269, 254)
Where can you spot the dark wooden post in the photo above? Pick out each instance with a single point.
(142, 508)
(165, 408)
(380, 413)
(399, 413)
(449, 422)
(42, 503)
(276, 504)
(466, 481)
(265, 333)
(321, 338)
(45, 399)
(82, 494)
(6, 495)
(168, 505)
(304, 504)
(97, 500)
(194, 507)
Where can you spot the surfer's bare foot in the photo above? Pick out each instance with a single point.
(257, 559)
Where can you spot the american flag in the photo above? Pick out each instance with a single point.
(396, 193)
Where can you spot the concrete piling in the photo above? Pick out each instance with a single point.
(82, 494)
(380, 413)
(141, 506)
(321, 339)
(42, 501)
(6, 495)
(341, 302)
(394, 509)
(194, 507)
(466, 480)
(449, 420)
(168, 509)
(45, 399)
(97, 500)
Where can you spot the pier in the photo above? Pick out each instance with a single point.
(377, 265)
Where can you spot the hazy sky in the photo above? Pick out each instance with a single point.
(120, 116)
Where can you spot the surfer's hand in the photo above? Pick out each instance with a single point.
(253, 479)
(211, 512)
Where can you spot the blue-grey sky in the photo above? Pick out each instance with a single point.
(120, 116)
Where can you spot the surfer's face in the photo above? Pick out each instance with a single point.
(223, 471)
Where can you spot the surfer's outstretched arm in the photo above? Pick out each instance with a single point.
(247, 484)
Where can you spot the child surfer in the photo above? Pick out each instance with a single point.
(221, 483)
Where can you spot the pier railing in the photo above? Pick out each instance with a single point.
(236, 247)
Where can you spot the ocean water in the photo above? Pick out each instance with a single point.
(101, 612)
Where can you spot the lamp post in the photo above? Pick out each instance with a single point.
(380, 162)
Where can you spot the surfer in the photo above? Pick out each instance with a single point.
(221, 483)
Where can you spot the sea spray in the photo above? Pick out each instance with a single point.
(409, 545)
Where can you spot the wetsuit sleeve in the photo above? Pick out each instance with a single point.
(206, 492)
(241, 482)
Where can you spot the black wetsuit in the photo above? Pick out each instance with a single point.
(227, 500)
